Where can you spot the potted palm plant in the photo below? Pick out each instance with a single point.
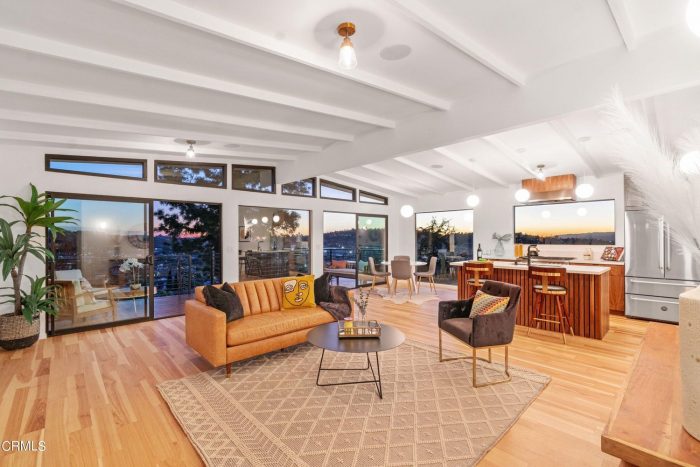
(20, 328)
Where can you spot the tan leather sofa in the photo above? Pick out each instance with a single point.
(265, 327)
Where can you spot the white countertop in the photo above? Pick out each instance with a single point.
(577, 260)
(570, 268)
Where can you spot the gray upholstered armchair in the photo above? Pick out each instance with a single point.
(481, 332)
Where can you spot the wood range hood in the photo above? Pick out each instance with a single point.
(556, 188)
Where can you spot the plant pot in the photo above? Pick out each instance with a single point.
(689, 335)
(17, 333)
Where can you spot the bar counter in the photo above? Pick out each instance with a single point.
(587, 298)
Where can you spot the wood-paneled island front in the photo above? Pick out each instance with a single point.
(587, 297)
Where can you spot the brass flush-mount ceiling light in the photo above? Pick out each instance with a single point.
(347, 60)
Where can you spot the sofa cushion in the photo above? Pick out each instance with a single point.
(322, 286)
(485, 304)
(254, 328)
(298, 292)
(224, 301)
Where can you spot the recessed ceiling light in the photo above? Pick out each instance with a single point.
(395, 52)
(436, 166)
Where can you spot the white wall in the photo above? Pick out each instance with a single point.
(21, 165)
(495, 214)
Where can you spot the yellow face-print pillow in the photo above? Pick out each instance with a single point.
(298, 292)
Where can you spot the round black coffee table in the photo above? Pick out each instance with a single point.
(326, 338)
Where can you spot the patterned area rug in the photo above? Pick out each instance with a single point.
(270, 412)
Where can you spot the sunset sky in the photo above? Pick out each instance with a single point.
(566, 218)
(462, 221)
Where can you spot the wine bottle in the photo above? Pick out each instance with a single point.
(479, 253)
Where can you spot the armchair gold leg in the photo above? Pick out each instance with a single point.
(473, 357)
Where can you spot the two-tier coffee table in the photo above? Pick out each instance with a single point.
(326, 338)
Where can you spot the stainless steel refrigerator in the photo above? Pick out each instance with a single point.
(657, 270)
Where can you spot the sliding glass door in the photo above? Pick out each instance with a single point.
(187, 252)
(128, 259)
(103, 263)
(371, 243)
(349, 240)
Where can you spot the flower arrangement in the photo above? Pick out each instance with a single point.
(131, 267)
(362, 300)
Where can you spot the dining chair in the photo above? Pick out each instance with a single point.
(402, 258)
(401, 270)
(550, 282)
(378, 274)
(429, 275)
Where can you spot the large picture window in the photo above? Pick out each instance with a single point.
(448, 235)
(253, 178)
(578, 223)
(132, 169)
(273, 242)
(196, 174)
(305, 187)
(332, 190)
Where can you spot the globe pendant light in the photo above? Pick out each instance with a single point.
(689, 163)
(584, 190)
(347, 59)
(540, 173)
(407, 210)
(473, 199)
(522, 195)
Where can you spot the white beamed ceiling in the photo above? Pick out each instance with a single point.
(489, 90)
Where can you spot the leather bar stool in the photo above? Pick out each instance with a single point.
(476, 271)
(550, 282)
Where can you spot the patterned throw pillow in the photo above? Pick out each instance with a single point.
(298, 292)
(485, 304)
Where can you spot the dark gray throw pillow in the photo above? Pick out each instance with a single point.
(224, 300)
(322, 286)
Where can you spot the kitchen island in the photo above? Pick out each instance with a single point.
(587, 297)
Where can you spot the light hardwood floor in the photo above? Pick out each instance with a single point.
(92, 396)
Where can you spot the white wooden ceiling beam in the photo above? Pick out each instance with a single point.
(197, 19)
(509, 154)
(433, 173)
(421, 184)
(565, 133)
(134, 145)
(130, 128)
(55, 49)
(473, 167)
(577, 85)
(136, 105)
(623, 20)
(423, 14)
(374, 184)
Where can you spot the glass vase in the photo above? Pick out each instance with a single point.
(499, 250)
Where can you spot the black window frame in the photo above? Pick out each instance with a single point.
(48, 158)
(223, 166)
(272, 168)
(384, 199)
(314, 193)
(336, 186)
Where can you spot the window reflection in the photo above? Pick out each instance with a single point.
(273, 242)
